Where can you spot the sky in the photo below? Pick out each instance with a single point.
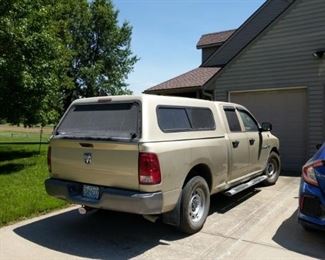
(165, 33)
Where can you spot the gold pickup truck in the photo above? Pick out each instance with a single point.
(158, 155)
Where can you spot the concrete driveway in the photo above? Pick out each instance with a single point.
(257, 224)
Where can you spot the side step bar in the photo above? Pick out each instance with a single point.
(245, 185)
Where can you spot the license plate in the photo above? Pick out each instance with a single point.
(90, 192)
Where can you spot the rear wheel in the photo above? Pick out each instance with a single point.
(195, 205)
(273, 169)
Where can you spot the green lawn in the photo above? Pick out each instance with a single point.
(13, 136)
(22, 174)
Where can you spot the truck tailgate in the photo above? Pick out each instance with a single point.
(104, 163)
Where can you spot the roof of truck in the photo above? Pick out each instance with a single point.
(156, 98)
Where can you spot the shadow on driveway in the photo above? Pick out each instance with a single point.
(293, 237)
(107, 234)
(221, 203)
(102, 234)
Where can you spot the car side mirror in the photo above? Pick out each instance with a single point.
(266, 127)
(318, 146)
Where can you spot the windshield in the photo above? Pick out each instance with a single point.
(107, 121)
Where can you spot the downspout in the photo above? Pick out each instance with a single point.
(207, 94)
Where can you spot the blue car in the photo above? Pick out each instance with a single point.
(311, 213)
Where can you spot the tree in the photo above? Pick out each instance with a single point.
(99, 49)
(52, 52)
(102, 56)
(28, 62)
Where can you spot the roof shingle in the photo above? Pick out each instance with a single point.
(194, 78)
(216, 38)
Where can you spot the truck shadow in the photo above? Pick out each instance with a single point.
(221, 203)
(293, 237)
(100, 235)
(106, 234)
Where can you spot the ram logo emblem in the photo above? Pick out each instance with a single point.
(87, 158)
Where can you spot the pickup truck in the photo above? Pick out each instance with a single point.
(158, 155)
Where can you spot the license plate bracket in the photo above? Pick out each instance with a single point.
(90, 192)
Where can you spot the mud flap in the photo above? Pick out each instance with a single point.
(173, 217)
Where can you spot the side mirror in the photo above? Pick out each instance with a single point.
(318, 146)
(266, 127)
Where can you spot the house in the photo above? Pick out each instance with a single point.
(274, 64)
(191, 83)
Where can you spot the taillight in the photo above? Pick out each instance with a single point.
(149, 169)
(308, 172)
(49, 158)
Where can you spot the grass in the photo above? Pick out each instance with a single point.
(9, 133)
(23, 169)
(17, 137)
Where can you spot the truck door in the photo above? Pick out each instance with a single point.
(239, 157)
(255, 139)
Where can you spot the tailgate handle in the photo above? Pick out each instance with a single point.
(86, 145)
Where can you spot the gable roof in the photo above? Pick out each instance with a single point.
(214, 39)
(194, 78)
(247, 32)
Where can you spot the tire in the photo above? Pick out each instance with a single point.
(273, 169)
(195, 204)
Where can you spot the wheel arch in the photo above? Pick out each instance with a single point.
(202, 170)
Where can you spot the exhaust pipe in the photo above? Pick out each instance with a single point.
(83, 210)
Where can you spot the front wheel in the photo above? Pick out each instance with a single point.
(195, 205)
(273, 169)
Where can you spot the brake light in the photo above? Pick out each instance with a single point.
(49, 158)
(149, 169)
(104, 100)
(308, 172)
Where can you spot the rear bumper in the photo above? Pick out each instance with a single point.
(109, 198)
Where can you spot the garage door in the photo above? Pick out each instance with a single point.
(286, 110)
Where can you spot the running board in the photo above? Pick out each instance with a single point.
(245, 185)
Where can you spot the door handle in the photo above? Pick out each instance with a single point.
(235, 144)
(251, 141)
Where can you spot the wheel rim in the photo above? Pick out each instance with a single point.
(271, 168)
(196, 205)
